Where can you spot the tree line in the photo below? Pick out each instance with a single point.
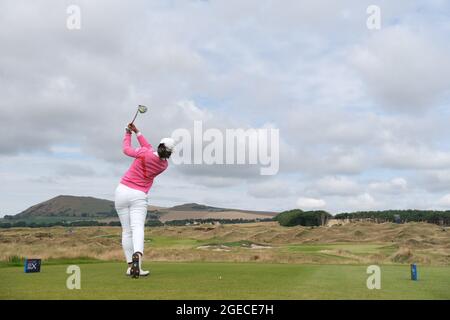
(209, 221)
(148, 223)
(286, 218)
(81, 223)
(318, 218)
(400, 216)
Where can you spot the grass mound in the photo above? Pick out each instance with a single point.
(358, 242)
(403, 255)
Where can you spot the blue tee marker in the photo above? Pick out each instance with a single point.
(32, 265)
(414, 275)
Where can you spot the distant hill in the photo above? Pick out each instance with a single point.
(195, 207)
(202, 212)
(70, 206)
(89, 207)
(202, 207)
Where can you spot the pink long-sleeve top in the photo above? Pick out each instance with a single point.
(146, 166)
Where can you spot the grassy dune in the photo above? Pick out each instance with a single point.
(357, 243)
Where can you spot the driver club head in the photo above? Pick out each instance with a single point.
(142, 108)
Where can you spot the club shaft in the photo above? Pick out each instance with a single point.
(135, 116)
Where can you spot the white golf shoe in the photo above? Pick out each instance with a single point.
(142, 273)
(135, 271)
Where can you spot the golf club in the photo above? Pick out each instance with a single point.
(141, 109)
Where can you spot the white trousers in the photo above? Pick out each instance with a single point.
(131, 206)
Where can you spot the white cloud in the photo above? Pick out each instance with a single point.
(393, 186)
(445, 201)
(435, 180)
(362, 202)
(216, 182)
(270, 189)
(408, 156)
(193, 112)
(310, 203)
(406, 69)
(334, 185)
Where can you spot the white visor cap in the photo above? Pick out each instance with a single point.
(169, 143)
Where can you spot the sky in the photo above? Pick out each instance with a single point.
(363, 114)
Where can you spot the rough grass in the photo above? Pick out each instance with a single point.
(353, 243)
(222, 262)
(223, 281)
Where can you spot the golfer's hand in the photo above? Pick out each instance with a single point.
(133, 128)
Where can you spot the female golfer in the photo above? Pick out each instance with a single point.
(131, 194)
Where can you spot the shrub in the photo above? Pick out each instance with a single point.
(5, 225)
(15, 261)
(114, 224)
(298, 217)
(153, 223)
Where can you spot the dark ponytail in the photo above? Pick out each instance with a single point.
(163, 152)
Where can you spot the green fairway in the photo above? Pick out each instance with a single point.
(224, 281)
